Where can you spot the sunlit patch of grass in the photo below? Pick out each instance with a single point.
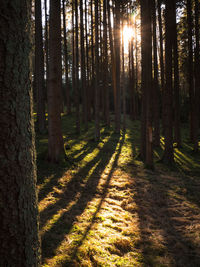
(119, 213)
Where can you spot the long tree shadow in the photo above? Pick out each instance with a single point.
(164, 222)
(98, 208)
(79, 190)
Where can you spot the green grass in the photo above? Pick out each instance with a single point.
(101, 207)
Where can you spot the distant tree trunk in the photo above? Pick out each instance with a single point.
(117, 42)
(55, 141)
(87, 62)
(155, 81)
(168, 156)
(83, 69)
(92, 84)
(105, 63)
(123, 79)
(177, 130)
(162, 68)
(197, 77)
(73, 51)
(97, 94)
(77, 70)
(146, 47)
(18, 201)
(190, 68)
(162, 71)
(113, 68)
(67, 88)
(46, 47)
(39, 69)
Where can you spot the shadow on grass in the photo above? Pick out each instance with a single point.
(164, 221)
(98, 208)
(81, 188)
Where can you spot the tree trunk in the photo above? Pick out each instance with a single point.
(67, 88)
(83, 69)
(18, 201)
(177, 130)
(117, 42)
(190, 68)
(105, 63)
(39, 69)
(97, 95)
(156, 91)
(55, 141)
(168, 156)
(77, 70)
(197, 78)
(146, 46)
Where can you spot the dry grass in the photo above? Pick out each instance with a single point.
(105, 209)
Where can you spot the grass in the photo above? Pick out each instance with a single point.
(103, 208)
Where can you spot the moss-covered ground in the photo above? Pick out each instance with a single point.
(101, 207)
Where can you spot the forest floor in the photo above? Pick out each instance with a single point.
(101, 207)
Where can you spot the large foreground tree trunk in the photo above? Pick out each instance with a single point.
(18, 202)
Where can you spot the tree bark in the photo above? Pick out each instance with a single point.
(18, 201)
(197, 78)
(83, 69)
(177, 130)
(190, 68)
(146, 47)
(97, 95)
(55, 140)
(67, 88)
(156, 91)
(168, 156)
(39, 69)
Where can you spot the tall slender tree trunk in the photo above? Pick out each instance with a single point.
(39, 69)
(168, 156)
(18, 201)
(105, 63)
(55, 140)
(77, 100)
(156, 91)
(177, 130)
(83, 69)
(117, 45)
(146, 46)
(97, 95)
(123, 79)
(197, 77)
(190, 68)
(67, 88)
(73, 52)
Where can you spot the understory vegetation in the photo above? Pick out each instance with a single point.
(102, 207)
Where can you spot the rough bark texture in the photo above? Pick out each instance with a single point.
(168, 156)
(39, 68)
(55, 140)
(18, 201)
